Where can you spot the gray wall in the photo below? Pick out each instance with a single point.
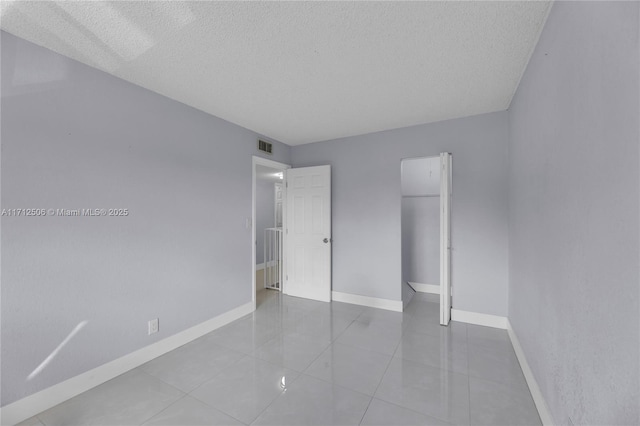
(74, 137)
(421, 239)
(420, 176)
(265, 214)
(366, 207)
(420, 183)
(574, 190)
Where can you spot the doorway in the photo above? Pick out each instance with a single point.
(301, 209)
(268, 212)
(426, 230)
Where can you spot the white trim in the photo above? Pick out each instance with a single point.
(372, 302)
(445, 238)
(259, 266)
(503, 323)
(406, 301)
(425, 288)
(538, 399)
(476, 318)
(38, 402)
(272, 263)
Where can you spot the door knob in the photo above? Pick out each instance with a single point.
(326, 240)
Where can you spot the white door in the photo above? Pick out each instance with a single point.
(308, 233)
(445, 238)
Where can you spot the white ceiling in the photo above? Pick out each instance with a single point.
(267, 173)
(301, 72)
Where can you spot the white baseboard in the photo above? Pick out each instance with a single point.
(259, 266)
(425, 288)
(479, 319)
(372, 302)
(43, 400)
(538, 399)
(503, 323)
(407, 298)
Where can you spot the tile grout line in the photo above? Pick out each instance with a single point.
(168, 384)
(214, 376)
(268, 405)
(332, 344)
(334, 384)
(273, 400)
(382, 377)
(164, 409)
(430, 367)
(414, 411)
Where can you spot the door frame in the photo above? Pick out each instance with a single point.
(446, 174)
(260, 161)
(441, 285)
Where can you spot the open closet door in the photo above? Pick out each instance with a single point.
(445, 238)
(308, 233)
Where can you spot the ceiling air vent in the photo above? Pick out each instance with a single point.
(265, 146)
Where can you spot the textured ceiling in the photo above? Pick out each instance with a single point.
(300, 72)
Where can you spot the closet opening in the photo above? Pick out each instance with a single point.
(425, 224)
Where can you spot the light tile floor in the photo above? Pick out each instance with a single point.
(299, 362)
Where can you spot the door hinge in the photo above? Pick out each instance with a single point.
(287, 277)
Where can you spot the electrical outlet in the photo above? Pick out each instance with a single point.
(154, 326)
